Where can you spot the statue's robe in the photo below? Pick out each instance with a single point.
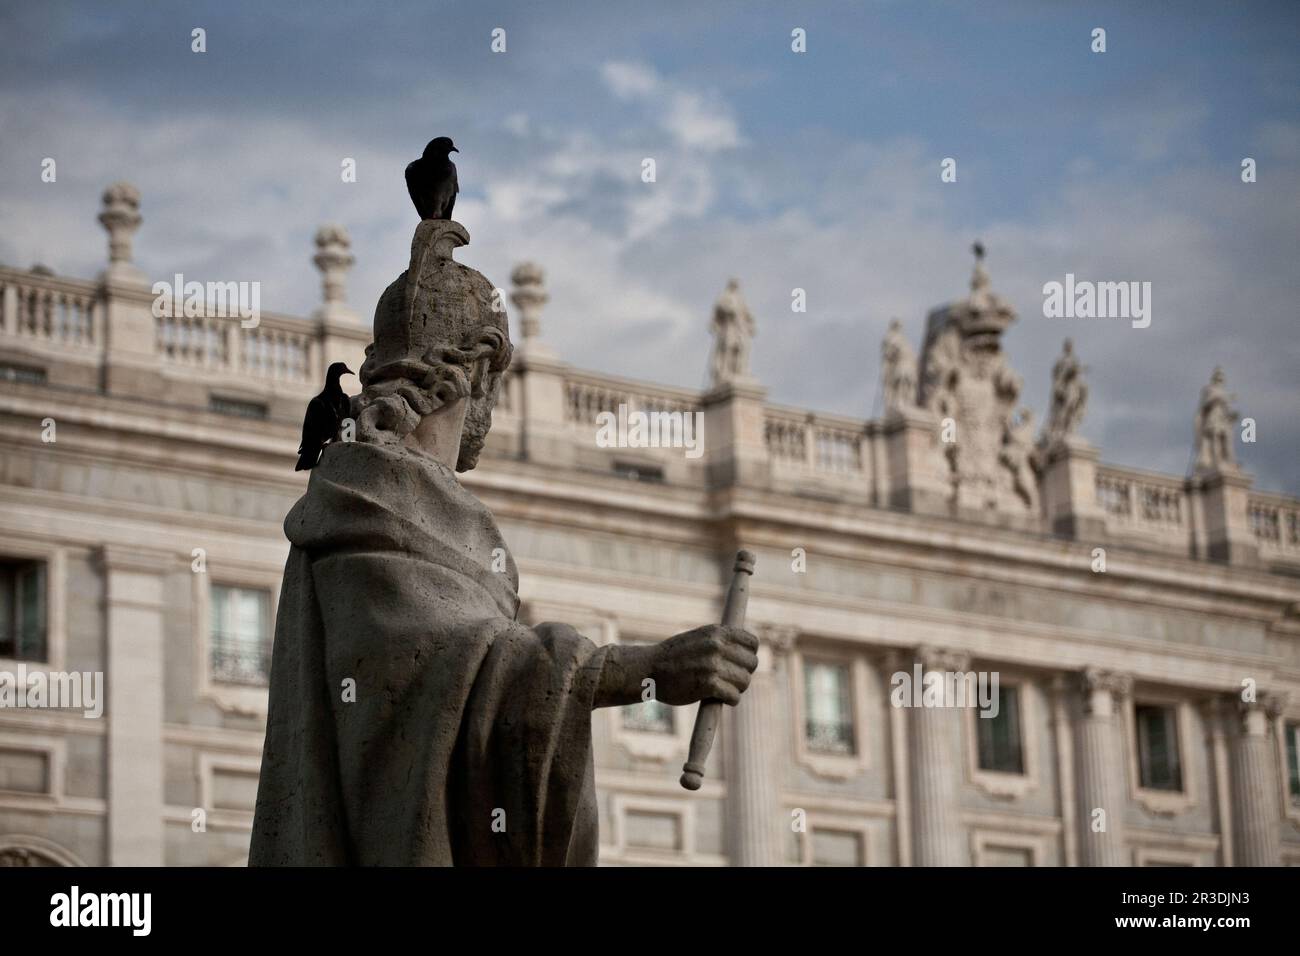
(469, 739)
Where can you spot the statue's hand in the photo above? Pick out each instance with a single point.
(712, 661)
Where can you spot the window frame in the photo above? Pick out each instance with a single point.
(865, 697)
(1003, 784)
(1287, 722)
(1163, 803)
(242, 699)
(54, 557)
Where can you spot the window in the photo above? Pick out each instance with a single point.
(1293, 762)
(22, 610)
(241, 635)
(649, 716)
(828, 706)
(237, 407)
(27, 374)
(1157, 745)
(1000, 737)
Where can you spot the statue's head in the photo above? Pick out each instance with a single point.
(441, 335)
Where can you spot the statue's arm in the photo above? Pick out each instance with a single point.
(708, 662)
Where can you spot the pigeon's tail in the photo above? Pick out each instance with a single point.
(307, 460)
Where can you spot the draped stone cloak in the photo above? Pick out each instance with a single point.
(469, 740)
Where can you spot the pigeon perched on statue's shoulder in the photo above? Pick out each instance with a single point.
(325, 414)
(431, 180)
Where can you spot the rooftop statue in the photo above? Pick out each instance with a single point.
(1214, 420)
(1069, 396)
(733, 331)
(897, 369)
(413, 719)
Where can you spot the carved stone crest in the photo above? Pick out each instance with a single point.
(967, 384)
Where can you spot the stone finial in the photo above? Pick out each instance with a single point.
(733, 330)
(121, 218)
(529, 296)
(1215, 418)
(979, 276)
(334, 258)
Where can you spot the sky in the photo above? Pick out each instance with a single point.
(818, 170)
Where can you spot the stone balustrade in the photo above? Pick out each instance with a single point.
(44, 317)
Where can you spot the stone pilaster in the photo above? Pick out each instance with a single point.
(1254, 785)
(1223, 495)
(755, 816)
(735, 446)
(914, 471)
(134, 589)
(1101, 769)
(126, 303)
(937, 835)
(1069, 490)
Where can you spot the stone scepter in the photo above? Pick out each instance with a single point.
(710, 712)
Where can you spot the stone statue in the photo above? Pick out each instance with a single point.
(733, 329)
(1069, 396)
(897, 369)
(1020, 457)
(413, 720)
(1214, 422)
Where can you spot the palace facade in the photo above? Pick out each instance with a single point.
(1144, 628)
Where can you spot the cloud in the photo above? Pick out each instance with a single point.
(777, 193)
(696, 120)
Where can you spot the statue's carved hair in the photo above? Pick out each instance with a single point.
(394, 398)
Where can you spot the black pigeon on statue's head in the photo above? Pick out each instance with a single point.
(431, 180)
(325, 414)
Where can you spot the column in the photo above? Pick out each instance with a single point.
(1101, 769)
(758, 823)
(1254, 785)
(937, 833)
(1063, 731)
(1215, 712)
(134, 594)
